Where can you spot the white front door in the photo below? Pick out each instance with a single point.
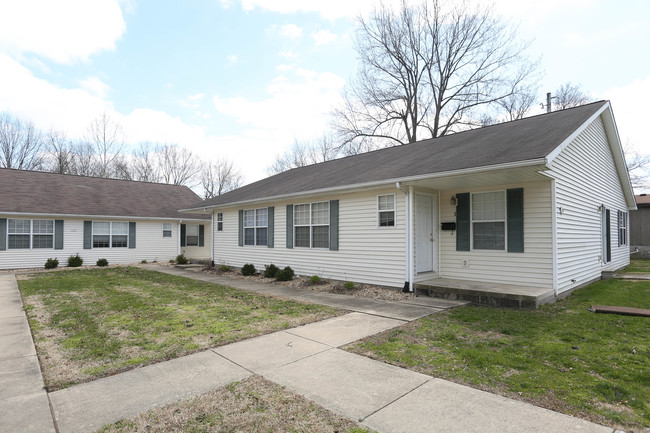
(425, 233)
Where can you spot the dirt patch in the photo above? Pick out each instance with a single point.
(253, 405)
(300, 282)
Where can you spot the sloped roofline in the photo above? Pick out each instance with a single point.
(614, 141)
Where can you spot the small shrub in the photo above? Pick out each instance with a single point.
(181, 259)
(348, 285)
(52, 263)
(285, 274)
(315, 279)
(224, 268)
(75, 261)
(248, 270)
(102, 262)
(143, 261)
(270, 271)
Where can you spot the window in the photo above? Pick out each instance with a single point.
(19, 233)
(256, 222)
(167, 230)
(311, 223)
(25, 234)
(219, 222)
(622, 228)
(488, 220)
(192, 235)
(110, 235)
(42, 234)
(386, 210)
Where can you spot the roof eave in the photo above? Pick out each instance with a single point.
(541, 162)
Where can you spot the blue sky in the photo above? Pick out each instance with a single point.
(242, 79)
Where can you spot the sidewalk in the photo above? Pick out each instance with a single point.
(308, 361)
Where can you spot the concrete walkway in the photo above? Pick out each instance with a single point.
(24, 406)
(307, 360)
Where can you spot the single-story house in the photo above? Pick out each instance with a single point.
(48, 215)
(640, 227)
(540, 202)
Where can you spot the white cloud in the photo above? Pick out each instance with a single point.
(329, 9)
(288, 54)
(291, 31)
(324, 37)
(62, 31)
(95, 86)
(232, 59)
(285, 67)
(630, 108)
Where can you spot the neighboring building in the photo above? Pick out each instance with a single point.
(640, 227)
(48, 215)
(540, 202)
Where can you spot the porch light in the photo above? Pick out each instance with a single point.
(453, 201)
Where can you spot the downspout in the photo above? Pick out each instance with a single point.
(178, 244)
(212, 240)
(407, 240)
(411, 234)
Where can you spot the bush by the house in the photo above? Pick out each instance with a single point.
(102, 262)
(285, 274)
(348, 285)
(181, 259)
(52, 263)
(248, 270)
(315, 279)
(224, 268)
(75, 261)
(270, 271)
(143, 261)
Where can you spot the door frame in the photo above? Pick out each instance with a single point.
(433, 213)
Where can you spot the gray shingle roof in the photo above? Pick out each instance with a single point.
(50, 193)
(517, 141)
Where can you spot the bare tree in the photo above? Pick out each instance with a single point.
(308, 152)
(20, 144)
(219, 177)
(60, 153)
(427, 71)
(637, 166)
(107, 140)
(144, 163)
(570, 95)
(84, 157)
(518, 105)
(178, 166)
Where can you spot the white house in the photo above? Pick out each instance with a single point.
(538, 204)
(48, 215)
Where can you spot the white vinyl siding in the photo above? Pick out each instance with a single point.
(366, 252)
(150, 246)
(533, 267)
(586, 179)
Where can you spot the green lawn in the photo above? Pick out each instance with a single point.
(561, 356)
(638, 266)
(92, 323)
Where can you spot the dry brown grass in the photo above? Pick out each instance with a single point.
(253, 405)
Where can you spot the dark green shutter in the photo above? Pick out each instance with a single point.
(334, 225)
(241, 228)
(201, 235)
(88, 235)
(289, 226)
(131, 234)
(608, 233)
(58, 234)
(618, 226)
(3, 234)
(183, 229)
(515, 223)
(462, 222)
(271, 227)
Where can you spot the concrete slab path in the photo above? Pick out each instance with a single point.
(306, 359)
(24, 406)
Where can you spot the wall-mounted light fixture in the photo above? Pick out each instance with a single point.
(453, 201)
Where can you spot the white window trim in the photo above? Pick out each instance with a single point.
(198, 235)
(311, 225)
(110, 235)
(171, 230)
(219, 221)
(394, 210)
(504, 220)
(255, 227)
(31, 234)
(622, 225)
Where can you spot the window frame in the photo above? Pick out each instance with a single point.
(170, 230)
(311, 225)
(256, 227)
(494, 220)
(187, 235)
(622, 228)
(380, 211)
(30, 234)
(219, 221)
(110, 234)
